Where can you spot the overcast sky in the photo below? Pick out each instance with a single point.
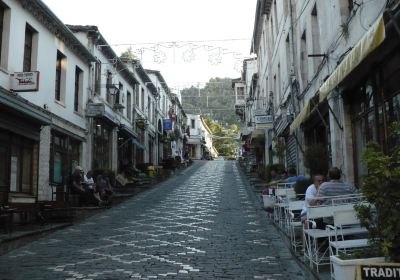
(125, 23)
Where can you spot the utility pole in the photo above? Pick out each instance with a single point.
(198, 87)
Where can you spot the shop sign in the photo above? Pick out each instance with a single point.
(167, 124)
(95, 110)
(264, 119)
(141, 124)
(25, 81)
(379, 271)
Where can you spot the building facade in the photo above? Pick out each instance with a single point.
(67, 99)
(326, 71)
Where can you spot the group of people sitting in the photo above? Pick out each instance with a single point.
(92, 189)
(319, 191)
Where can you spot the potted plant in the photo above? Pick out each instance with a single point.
(381, 188)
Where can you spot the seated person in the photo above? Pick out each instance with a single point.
(104, 188)
(79, 187)
(311, 194)
(333, 187)
(293, 177)
(88, 180)
(90, 185)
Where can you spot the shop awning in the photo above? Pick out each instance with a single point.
(301, 116)
(257, 136)
(138, 144)
(370, 41)
(25, 108)
(127, 130)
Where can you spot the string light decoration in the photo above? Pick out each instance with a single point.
(187, 51)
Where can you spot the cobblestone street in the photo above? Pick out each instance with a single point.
(203, 223)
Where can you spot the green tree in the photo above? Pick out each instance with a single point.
(223, 137)
(128, 54)
(215, 100)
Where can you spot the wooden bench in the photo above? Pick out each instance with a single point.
(27, 212)
(57, 211)
(6, 218)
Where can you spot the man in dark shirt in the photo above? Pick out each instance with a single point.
(334, 186)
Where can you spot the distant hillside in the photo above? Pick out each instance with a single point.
(215, 101)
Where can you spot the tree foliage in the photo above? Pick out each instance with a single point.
(215, 100)
(225, 146)
(381, 189)
(128, 54)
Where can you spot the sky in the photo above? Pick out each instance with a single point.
(189, 41)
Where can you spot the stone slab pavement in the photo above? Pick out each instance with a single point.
(204, 223)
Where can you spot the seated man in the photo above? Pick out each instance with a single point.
(310, 195)
(104, 188)
(333, 187)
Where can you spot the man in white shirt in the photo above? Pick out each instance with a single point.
(311, 194)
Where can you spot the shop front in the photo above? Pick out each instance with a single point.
(125, 147)
(65, 154)
(20, 129)
(374, 106)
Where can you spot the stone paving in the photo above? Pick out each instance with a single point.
(204, 223)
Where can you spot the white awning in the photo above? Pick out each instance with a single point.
(370, 41)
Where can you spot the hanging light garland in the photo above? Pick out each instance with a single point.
(188, 50)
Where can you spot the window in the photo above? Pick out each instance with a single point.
(346, 6)
(129, 105)
(60, 77)
(119, 93)
(192, 123)
(276, 99)
(78, 90)
(101, 145)
(28, 46)
(240, 93)
(286, 7)
(19, 162)
(279, 84)
(2, 11)
(149, 108)
(109, 86)
(97, 78)
(288, 57)
(276, 19)
(303, 60)
(4, 33)
(64, 156)
(315, 37)
(142, 100)
(137, 89)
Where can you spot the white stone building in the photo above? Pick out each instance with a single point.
(199, 142)
(44, 75)
(317, 62)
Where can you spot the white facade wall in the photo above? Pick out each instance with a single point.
(46, 49)
(196, 134)
(44, 55)
(331, 39)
